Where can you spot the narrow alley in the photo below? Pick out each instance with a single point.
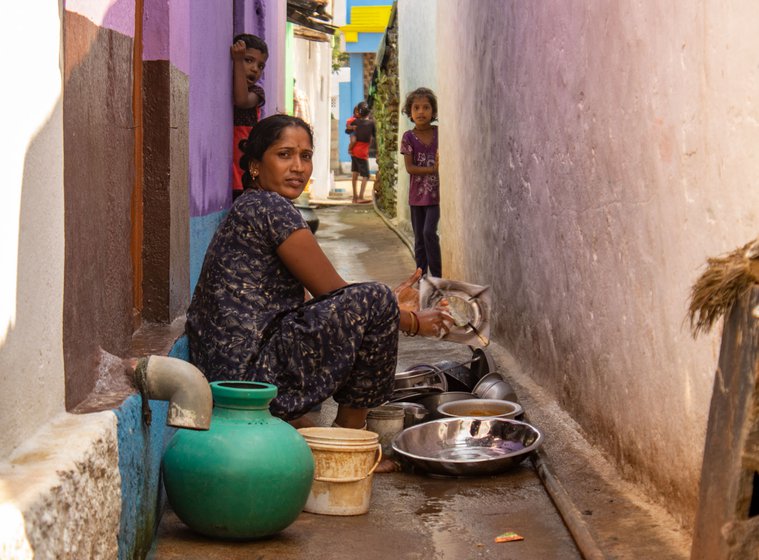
(592, 164)
(416, 516)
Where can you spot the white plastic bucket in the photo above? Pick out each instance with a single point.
(345, 460)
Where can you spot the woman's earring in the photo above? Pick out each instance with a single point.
(254, 172)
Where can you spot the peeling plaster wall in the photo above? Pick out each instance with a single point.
(592, 156)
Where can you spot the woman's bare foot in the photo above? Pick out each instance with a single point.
(302, 422)
(388, 465)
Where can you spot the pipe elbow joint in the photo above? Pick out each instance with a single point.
(183, 385)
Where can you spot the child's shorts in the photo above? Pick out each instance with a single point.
(360, 166)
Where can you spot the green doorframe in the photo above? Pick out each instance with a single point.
(289, 66)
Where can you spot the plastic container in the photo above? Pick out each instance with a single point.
(345, 461)
(248, 476)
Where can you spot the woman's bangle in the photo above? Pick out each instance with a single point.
(414, 330)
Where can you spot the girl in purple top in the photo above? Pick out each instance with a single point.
(419, 148)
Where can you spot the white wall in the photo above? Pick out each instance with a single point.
(54, 466)
(417, 67)
(31, 222)
(338, 12)
(603, 151)
(313, 75)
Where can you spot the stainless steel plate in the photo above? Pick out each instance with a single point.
(467, 446)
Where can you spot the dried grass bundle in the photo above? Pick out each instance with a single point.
(725, 280)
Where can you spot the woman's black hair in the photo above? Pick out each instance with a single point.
(362, 109)
(262, 135)
(421, 92)
(252, 42)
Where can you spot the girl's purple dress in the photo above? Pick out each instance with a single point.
(424, 190)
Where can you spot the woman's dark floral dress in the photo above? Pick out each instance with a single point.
(247, 319)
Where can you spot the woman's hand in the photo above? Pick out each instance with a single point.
(435, 322)
(406, 294)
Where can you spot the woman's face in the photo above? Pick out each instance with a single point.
(287, 163)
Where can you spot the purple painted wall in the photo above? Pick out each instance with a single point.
(275, 19)
(155, 21)
(179, 49)
(210, 107)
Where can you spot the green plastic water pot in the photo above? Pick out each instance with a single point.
(247, 477)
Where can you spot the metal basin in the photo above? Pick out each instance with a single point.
(481, 408)
(467, 446)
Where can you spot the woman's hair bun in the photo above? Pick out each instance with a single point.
(242, 144)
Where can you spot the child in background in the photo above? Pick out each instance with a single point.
(419, 147)
(249, 54)
(349, 128)
(363, 132)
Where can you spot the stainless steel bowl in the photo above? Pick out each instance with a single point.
(467, 446)
(481, 408)
(432, 402)
(493, 386)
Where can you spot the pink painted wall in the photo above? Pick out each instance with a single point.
(603, 151)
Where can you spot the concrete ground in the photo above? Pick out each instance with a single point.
(414, 516)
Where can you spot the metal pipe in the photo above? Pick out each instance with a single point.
(569, 513)
(182, 384)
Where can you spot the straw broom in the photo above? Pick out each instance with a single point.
(726, 279)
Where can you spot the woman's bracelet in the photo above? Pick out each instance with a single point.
(415, 325)
(411, 328)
